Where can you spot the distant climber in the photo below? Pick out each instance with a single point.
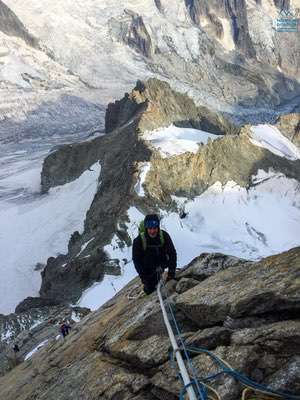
(16, 348)
(153, 249)
(64, 329)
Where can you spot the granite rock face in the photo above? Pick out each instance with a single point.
(131, 30)
(289, 125)
(230, 158)
(150, 105)
(273, 286)
(159, 105)
(121, 350)
(69, 162)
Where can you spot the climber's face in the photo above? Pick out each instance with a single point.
(152, 232)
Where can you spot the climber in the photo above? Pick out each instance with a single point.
(64, 328)
(152, 250)
(16, 348)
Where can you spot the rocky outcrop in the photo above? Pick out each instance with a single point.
(158, 105)
(121, 350)
(205, 12)
(64, 277)
(228, 158)
(150, 105)
(236, 25)
(12, 26)
(289, 125)
(131, 30)
(272, 287)
(68, 162)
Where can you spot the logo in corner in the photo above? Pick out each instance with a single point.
(288, 20)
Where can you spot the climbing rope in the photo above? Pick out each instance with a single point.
(198, 388)
(252, 390)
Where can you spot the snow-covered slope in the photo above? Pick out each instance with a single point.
(36, 228)
(272, 139)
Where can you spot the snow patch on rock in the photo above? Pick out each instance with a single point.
(271, 138)
(172, 140)
(144, 169)
(39, 346)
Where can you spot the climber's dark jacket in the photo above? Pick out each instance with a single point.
(156, 255)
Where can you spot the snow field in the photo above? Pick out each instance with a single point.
(39, 228)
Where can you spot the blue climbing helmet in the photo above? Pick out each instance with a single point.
(150, 221)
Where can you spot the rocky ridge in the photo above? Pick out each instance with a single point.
(149, 106)
(247, 313)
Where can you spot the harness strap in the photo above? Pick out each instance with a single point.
(144, 240)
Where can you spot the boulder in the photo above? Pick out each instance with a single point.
(207, 265)
(270, 286)
(289, 126)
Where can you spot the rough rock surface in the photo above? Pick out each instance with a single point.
(150, 105)
(159, 106)
(273, 286)
(289, 125)
(121, 350)
(130, 29)
(229, 158)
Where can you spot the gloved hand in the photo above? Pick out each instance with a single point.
(170, 276)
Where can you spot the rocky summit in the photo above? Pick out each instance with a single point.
(246, 313)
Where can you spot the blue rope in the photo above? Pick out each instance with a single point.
(240, 377)
(184, 389)
(224, 369)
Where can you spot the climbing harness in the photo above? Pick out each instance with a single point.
(142, 234)
(198, 388)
